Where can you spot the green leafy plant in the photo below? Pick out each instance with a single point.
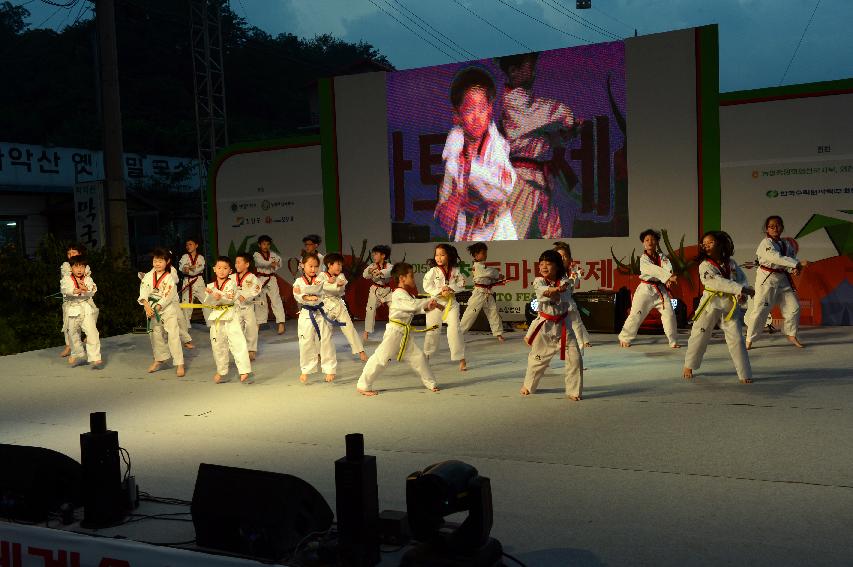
(681, 265)
(630, 268)
(355, 266)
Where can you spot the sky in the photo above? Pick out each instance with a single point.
(758, 38)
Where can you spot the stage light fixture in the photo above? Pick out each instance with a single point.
(583, 4)
(438, 491)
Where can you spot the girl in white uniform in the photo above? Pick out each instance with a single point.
(725, 291)
(267, 263)
(550, 332)
(64, 272)
(225, 332)
(442, 282)
(77, 290)
(379, 272)
(158, 294)
(248, 288)
(656, 278)
(777, 260)
(334, 286)
(574, 276)
(191, 265)
(315, 333)
(398, 341)
(485, 278)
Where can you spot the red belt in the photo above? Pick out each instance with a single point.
(657, 289)
(528, 164)
(192, 280)
(779, 271)
(555, 319)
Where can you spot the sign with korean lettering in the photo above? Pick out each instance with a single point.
(89, 214)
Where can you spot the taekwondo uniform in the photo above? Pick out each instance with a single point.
(485, 278)
(773, 285)
(434, 280)
(652, 292)
(380, 292)
(162, 292)
(336, 308)
(249, 287)
(266, 264)
(315, 332)
(192, 288)
(225, 331)
(81, 316)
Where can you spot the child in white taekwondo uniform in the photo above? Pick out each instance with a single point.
(777, 260)
(397, 342)
(191, 267)
(315, 333)
(183, 322)
(77, 290)
(158, 294)
(574, 275)
(656, 278)
(537, 130)
(267, 263)
(442, 282)
(485, 278)
(379, 272)
(478, 176)
(310, 245)
(64, 272)
(725, 291)
(549, 333)
(248, 288)
(334, 286)
(225, 332)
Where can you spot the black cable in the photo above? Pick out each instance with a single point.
(61, 5)
(393, 17)
(479, 17)
(125, 456)
(448, 42)
(796, 49)
(522, 12)
(582, 21)
(614, 18)
(510, 557)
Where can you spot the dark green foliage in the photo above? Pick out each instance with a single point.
(32, 319)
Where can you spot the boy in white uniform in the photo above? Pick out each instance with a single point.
(485, 278)
(310, 243)
(248, 288)
(77, 290)
(315, 333)
(574, 276)
(725, 291)
(158, 294)
(225, 331)
(183, 322)
(549, 333)
(656, 278)
(478, 176)
(398, 342)
(334, 286)
(379, 272)
(442, 282)
(777, 260)
(537, 129)
(267, 263)
(64, 272)
(191, 265)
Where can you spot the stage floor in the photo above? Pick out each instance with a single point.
(647, 469)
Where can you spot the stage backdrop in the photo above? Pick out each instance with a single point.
(557, 128)
(789, 152)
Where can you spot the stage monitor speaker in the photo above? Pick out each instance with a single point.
(357, 499)
(256, 513)
(36, 481)
(104, 504)
(603, 311)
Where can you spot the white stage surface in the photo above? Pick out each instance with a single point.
(646, 470)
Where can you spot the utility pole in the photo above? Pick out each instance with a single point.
(115, 193)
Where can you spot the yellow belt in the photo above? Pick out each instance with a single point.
(222, 308)
(712, 294)
(448, 298)
(407, 329)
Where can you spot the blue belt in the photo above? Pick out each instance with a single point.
(319, 307)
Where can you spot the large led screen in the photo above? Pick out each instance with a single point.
(517, 147)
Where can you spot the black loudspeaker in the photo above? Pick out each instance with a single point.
(257, 513)
(36, 481)
(357, 497)
(481, 323)
(603, 311)
(104, 503)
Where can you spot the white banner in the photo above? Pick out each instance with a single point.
(32, 546)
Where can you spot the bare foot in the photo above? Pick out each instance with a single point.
(65, 352)
(687, 374)
(303, 378)
(624, 344)
(368, 393)
(281, 328)
(524, 391)
(462, 365)
(180, 372)
(251, 355)
(575, 398)
(748, 345)
(362, 356)
(155, 366)
(435, 389)
(364, 335)
(98, 365)
(217, 378)
(587, 345)
(746, 381)
(795, 342)
(72, 361)
(330, 377)
(244, 378)
(676, 345)
(501, 338)
(189, 345)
